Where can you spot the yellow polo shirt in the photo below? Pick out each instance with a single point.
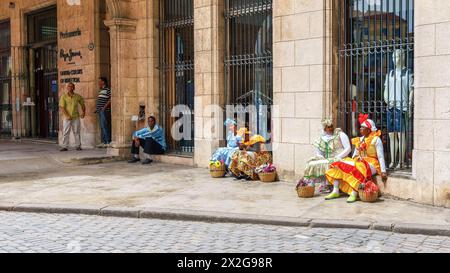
(71, 104)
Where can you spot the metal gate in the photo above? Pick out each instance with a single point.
(249, 60)
(376, 68)
(6, 119)
(177, 70)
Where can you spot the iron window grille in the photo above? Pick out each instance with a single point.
(370, 34)
(6, 121)
(249, 59)
(42, 26)
(177, 68)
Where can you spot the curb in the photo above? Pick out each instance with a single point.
(218, 217)
(92, 160)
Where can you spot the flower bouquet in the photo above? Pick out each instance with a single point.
(368, 192)
(217, 168)
(267, 173)
(306, 188)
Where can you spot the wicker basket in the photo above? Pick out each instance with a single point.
(306, 192)
(267, 177)
(368, 197)
(217, 172)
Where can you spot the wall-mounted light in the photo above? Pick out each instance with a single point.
(12, 5)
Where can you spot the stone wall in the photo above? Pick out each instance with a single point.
(432, 101)
(134, 63)
(299, 85)
(209, 78)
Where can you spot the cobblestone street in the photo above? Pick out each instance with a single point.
(27, 233)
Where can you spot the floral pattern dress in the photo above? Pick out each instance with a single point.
(244, 163)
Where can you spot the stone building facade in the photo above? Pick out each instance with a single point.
(306, 74)
(52, 43)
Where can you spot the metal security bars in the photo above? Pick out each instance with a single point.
(177, 70)
(5, 79)
(249, 58)
(42, 26)
(376, 71)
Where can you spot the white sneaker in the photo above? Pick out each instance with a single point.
(101, 146)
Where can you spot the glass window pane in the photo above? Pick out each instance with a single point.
(376, 71)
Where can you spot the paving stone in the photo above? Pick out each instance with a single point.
(45, 233)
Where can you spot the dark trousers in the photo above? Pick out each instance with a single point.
(105, 125)
(151, 147)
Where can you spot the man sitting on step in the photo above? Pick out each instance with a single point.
(151, 139)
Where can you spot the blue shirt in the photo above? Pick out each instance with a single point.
(157, 134)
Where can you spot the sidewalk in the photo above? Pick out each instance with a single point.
(28, 156)
(185, 193)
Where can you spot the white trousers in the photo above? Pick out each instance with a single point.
(75, 126)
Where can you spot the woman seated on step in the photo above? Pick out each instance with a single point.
(251, 155)
(332, 146)
(368, 160)
(233, 137)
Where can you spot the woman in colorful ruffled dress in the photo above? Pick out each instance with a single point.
(368, 160)
(332, 146)
(233, 137)
(250, 156)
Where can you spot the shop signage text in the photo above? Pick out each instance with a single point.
(65, 35)
(68, 56)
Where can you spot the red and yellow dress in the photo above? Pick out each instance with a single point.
(367, 161)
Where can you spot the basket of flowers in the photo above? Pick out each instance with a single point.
(368, 192)
(217, 169)
(267, 173)
(306, 188)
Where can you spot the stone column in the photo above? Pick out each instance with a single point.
(209, 76)
(432, 102)
(123, 82)
(299, 82)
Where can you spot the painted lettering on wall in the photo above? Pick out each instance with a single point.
(71, 72)
(69, 55)
(74, 80)
(70, 34)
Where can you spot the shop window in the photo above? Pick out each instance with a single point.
(376, 72)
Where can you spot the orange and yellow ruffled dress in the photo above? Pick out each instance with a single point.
(351, 172)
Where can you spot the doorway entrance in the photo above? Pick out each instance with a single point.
(43, 54)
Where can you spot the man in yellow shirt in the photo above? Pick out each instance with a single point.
(69, 104)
